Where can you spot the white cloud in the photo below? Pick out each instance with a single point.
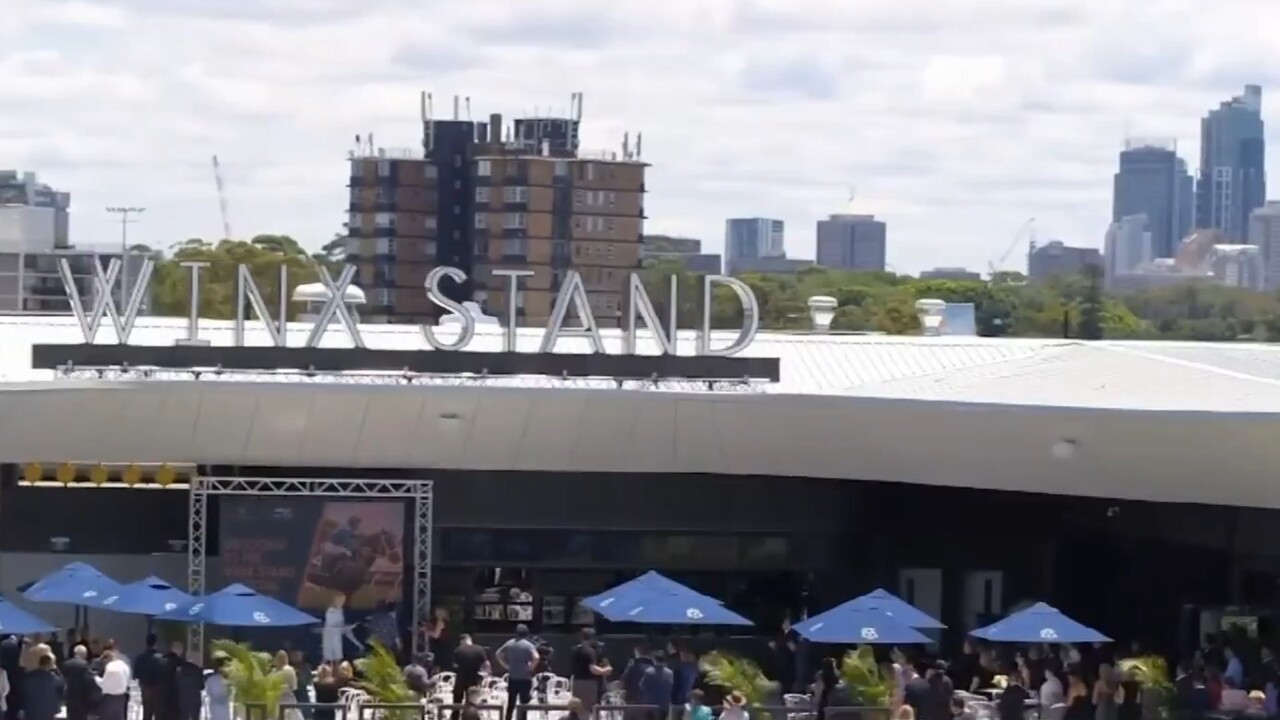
(956, 121)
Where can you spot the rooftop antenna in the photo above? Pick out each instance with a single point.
(468, 107)
(639, 137)
(578, 114)
(626, 146)
(422, 106)
(456, 113)
(429, 123)
(222, 198)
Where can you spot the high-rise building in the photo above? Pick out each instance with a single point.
(1233, 180)
(1264, 232)
(1057, 259)
(1130, 245)
(1153, 181)
(478, 202)
(33, 216)
(748, 239)
(852, 242)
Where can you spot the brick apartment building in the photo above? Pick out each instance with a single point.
(479, 202)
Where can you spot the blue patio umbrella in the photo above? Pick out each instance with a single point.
(1039, 623)
(238, 606)
(903, 611)
(657, 607)
(850, 625)
(75, 584)
(16, 621)
(150, 596)
(640, 587)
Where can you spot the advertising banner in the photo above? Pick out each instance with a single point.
(303, 551)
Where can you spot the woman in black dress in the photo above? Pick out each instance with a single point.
(1079, 699)
(1130, 697)
(827, 682)
(326, 689)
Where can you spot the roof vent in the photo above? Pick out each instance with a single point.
(930, 311)
(314, 297)
(822, 310)
(474, 310)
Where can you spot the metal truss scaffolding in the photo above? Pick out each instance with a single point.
(417, 491)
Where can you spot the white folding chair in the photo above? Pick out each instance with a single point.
(801, 703)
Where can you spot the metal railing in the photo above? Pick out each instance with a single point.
(442, 710)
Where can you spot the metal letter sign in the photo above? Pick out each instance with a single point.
(104, 298)
(573, 296)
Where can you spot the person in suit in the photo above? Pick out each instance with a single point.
(146, 670)
(81, 686)
(43, 690)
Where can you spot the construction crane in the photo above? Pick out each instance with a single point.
(222, 198)
(1025, 230)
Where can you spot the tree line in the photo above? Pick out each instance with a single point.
(883, 302)
(1006, 305)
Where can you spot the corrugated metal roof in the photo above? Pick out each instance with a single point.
(1095, 375)
(810, 364)
(1054, 372)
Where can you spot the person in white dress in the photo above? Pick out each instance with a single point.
(335, 626)
(290, 686)
(218, 691)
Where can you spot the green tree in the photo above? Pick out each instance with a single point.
(252, 678)
(1091, 304)
(264, 256)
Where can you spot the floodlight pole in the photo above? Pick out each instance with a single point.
(124, 213)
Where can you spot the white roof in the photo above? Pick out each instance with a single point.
(1209, 377)
(1151, 421)
(317, 292)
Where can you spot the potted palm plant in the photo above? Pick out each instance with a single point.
(383, 680)
(1152, 673)
(253, 681)
(867, 686)
(738, 674)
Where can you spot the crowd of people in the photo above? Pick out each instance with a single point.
(1231, 676)
(39, 677)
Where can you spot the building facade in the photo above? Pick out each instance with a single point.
(1057, 259)
(747, 239)
(32, 214)
(478, 202)
(1153, 181)
(1233, 179)
(772, 265)
(852, 242)
(1264, 232)
(682, 250)
(1130, 245)
(1239, 266)
(951, 273)
(30, 281)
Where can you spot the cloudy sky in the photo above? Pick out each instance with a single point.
(955, 121)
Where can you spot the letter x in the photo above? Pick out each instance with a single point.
(335, 304)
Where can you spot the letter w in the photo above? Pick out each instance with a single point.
(104, 302)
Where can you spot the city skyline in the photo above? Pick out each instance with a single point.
(100, 101)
